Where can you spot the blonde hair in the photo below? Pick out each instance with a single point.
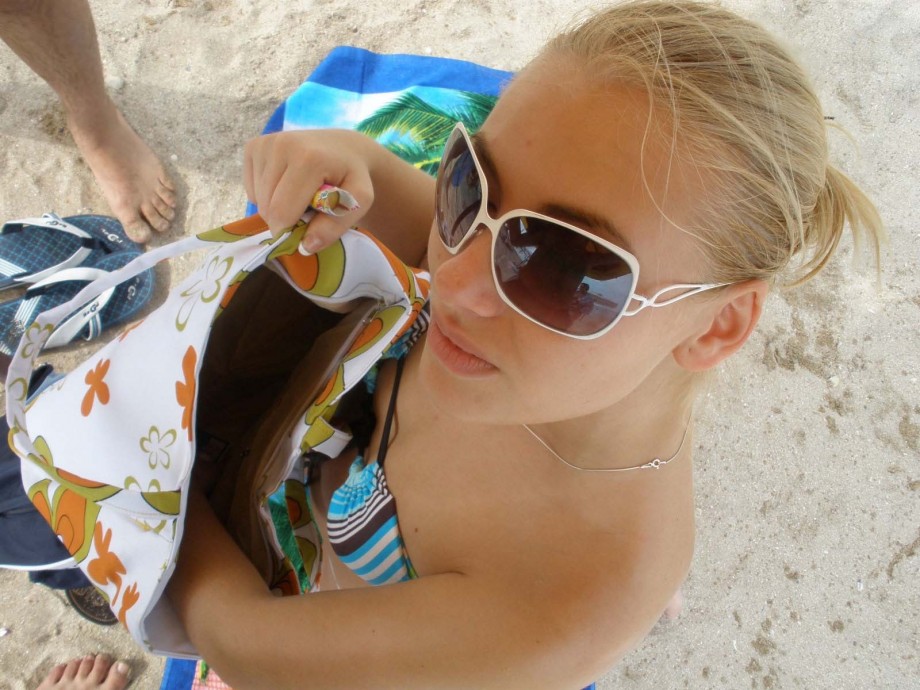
(745, 111)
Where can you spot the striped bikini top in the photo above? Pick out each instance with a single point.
(361, 524)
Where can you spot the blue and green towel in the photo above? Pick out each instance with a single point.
(409, 103)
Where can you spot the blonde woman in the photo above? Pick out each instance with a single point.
(608, 236)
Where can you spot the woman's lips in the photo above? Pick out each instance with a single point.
(454, 356)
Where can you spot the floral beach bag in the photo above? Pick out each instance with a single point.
(238, 372)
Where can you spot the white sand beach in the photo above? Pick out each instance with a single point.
(807, 449)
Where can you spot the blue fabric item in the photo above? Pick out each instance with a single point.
(345, 67)
(127, 300)
(26, 539)
(35, 248)
(179, 674)
(130, 296)
(363, 529)
(352, 83)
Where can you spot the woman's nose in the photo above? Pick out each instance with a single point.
(464, 280)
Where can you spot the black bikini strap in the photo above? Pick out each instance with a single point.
(391, 412)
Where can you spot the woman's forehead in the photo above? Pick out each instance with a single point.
(557, 139)
(566, 210)
(567, 138)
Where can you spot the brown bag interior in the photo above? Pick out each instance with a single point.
(270, 353)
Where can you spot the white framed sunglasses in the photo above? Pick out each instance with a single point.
(554, 274)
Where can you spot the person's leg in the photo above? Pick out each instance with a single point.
(57, 39)
(89, 672)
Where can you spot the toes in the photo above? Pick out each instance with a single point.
(138, 231)
(118, 677)
(166, 189)
(153, 217)
(164, 209)
(101, 668)
(70, 671)
(54, 675)
(86, 666)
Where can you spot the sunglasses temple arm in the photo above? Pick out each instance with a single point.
(656, 301)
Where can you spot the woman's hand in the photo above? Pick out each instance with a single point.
(396, 201)
(282, 172)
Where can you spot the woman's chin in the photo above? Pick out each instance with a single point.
(467, 399)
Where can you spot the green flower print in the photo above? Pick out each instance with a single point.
(156, 445)
(205, 290)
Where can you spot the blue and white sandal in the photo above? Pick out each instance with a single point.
(114, 306)
(33, 249)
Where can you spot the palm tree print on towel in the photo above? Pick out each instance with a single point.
(416, 130)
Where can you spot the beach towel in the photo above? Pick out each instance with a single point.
(409, 103)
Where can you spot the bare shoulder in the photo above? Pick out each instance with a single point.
(612, 559)
(590, 562)
(596, 567)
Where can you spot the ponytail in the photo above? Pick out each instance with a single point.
(840, 202)
(745, 110)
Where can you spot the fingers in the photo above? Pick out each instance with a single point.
(291, 196)
(324, 229)
(283, 171)
(275, 181)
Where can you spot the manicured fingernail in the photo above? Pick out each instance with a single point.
(122, 668)
(303, 251)
(311, 243)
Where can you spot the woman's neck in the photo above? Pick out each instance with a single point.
(648, 423)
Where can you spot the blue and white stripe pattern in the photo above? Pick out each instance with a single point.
(22, 319)
(363, 529)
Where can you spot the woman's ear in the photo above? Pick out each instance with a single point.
(738, 310)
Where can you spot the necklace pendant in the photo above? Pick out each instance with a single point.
(655, 464)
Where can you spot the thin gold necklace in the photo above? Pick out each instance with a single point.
(655, 464)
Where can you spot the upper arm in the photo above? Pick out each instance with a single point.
(403, 207)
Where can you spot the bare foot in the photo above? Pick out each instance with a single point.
(133, 180)
(89, 672)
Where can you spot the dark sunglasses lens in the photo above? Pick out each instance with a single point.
(459, 193)
(560, 278)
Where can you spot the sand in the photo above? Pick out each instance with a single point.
(808, 449)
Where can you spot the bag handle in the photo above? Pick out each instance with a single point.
(252, 229)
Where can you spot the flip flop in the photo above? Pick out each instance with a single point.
(32, 249)
(89, 603)
(114, 306)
